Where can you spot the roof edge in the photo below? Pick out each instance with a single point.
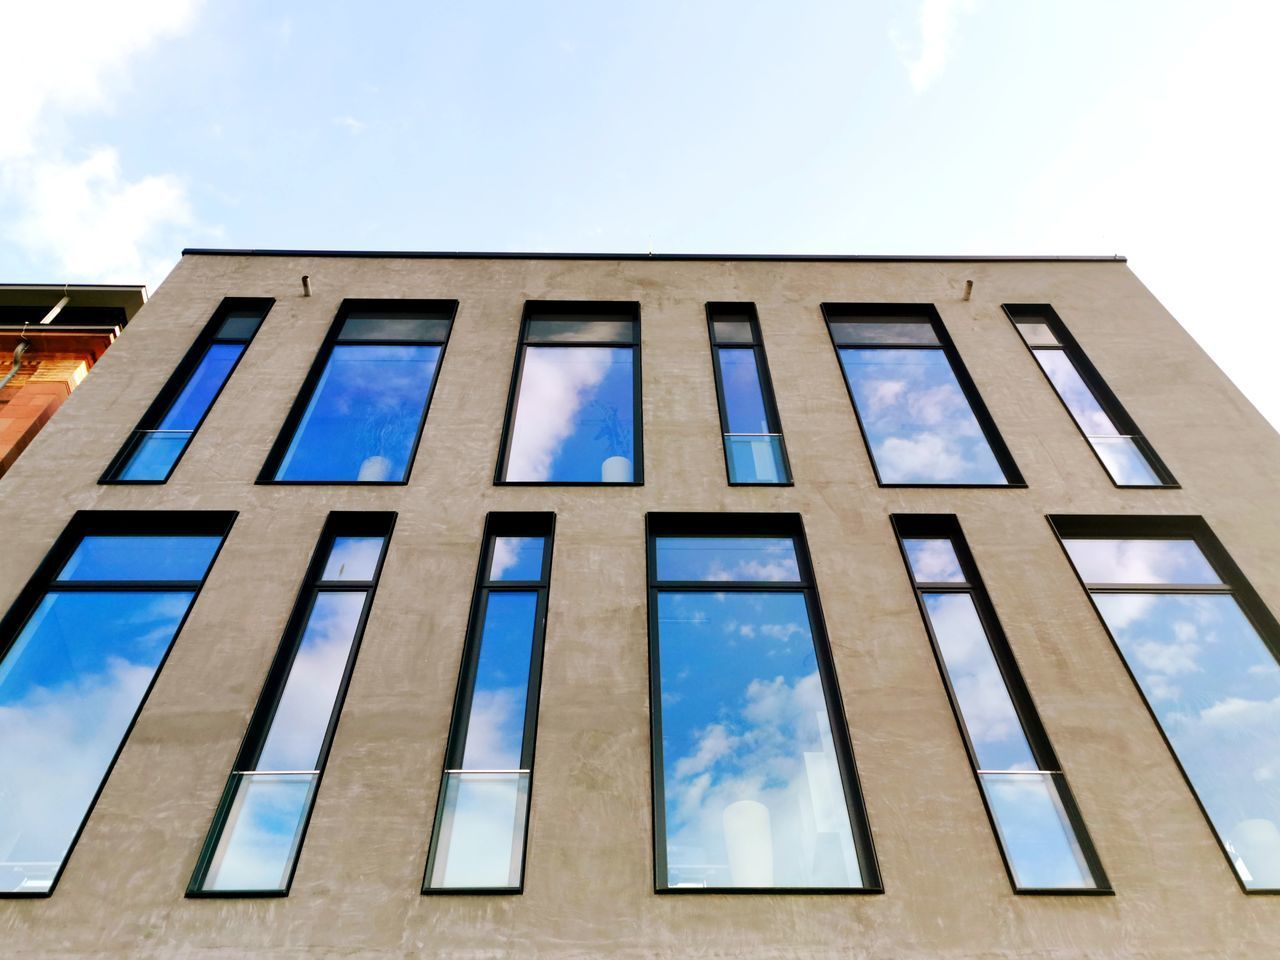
(766, 257)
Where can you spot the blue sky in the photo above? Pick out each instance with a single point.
(956, 126)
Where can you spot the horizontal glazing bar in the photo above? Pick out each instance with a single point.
(492, 772)
(274, 773)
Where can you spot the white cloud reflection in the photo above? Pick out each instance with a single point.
(556, 383)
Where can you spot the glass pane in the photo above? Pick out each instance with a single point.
(1075, 393)
(981, 695)
(481, 840)
(574, 416)
(353, 558)
(548, 330)
(918, 421)
(260, 838)
(733, 331)
(152, 454)
(933, 561)
(727, 558)
(1125, 461)
(744, 407)
(751, 783)
(141, 558)
(206, 380)
(887, 333)
(1140, 561)
(1034, 831)
(1214, 688)
(310, 693)
(70, 686)
(516, 558)
(756, 459)
(363, 419)
(239, 326)
(495, 723)
(395, 327)
(1037, 333)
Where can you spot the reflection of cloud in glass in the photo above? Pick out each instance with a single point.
(306, 705)
(573, 411)
(261, 837)
(1077, 396)
(1213, 686)
(516, 558)
(933, 561)
(1140, 561)
(495, 725)
(482, 831)
(69, 688)
(1035, 831)
(753, 793)
(769, 559)
(918, 421)
(353, 558)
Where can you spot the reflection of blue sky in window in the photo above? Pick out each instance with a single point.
(495, 725)
(1035, 832)
(261, 837)
(933, 561)
(154, 455)
(753, 793)
(918, 422)
(982, 697)
(727, 558)
(1140, 561)
(363, 419)
(1215, 689)
(311, 691)
(516, 558)
(69, 688)
(140, 558)
(574, 412)
(353, 558)
(743, 394)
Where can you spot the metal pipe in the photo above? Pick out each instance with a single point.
(306, 285)
(18, 353)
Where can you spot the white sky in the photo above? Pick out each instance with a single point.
(1145, 128)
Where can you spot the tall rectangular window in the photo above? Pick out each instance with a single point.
(1042, 836)
(574, 411)
(753, 449)
(252, 846)
(361, 411)
(920, 414)
(1202, 648)
(754, 782)
(1129, 459)
(82, 646)
(161, 437)
(481, 819)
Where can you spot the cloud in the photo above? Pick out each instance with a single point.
(938, 21)
(350, 124)
(75, 209)
(555, 385)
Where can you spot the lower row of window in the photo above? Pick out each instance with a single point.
(754, 781)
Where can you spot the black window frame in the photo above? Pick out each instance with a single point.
(348, 307)
(588, 309)
(496, 524)
(345, 523)
(1234, 584)
(723, 310)
(1102, 393)
(922, 313)
(938, 526)
(733, 525)
(178, 381)
(110, 523)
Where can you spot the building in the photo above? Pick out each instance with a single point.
(49, 338)
(856, 607)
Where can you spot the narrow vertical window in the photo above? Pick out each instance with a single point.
(1201, 647)
(161, 437)
(482, 815)
(754, 782)
(257, 831)
(574, 411)
(753, 448)
(1042, 836)
(361, 411)
(920, 414)
(1129, 459)
(82, 647)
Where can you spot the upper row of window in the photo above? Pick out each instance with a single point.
(574, 417)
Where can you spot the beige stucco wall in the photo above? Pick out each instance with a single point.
(589, 884)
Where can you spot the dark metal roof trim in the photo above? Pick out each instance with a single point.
(766, 257)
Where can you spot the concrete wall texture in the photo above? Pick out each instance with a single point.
(589, 879)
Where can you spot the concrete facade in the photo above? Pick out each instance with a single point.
(589, 880)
